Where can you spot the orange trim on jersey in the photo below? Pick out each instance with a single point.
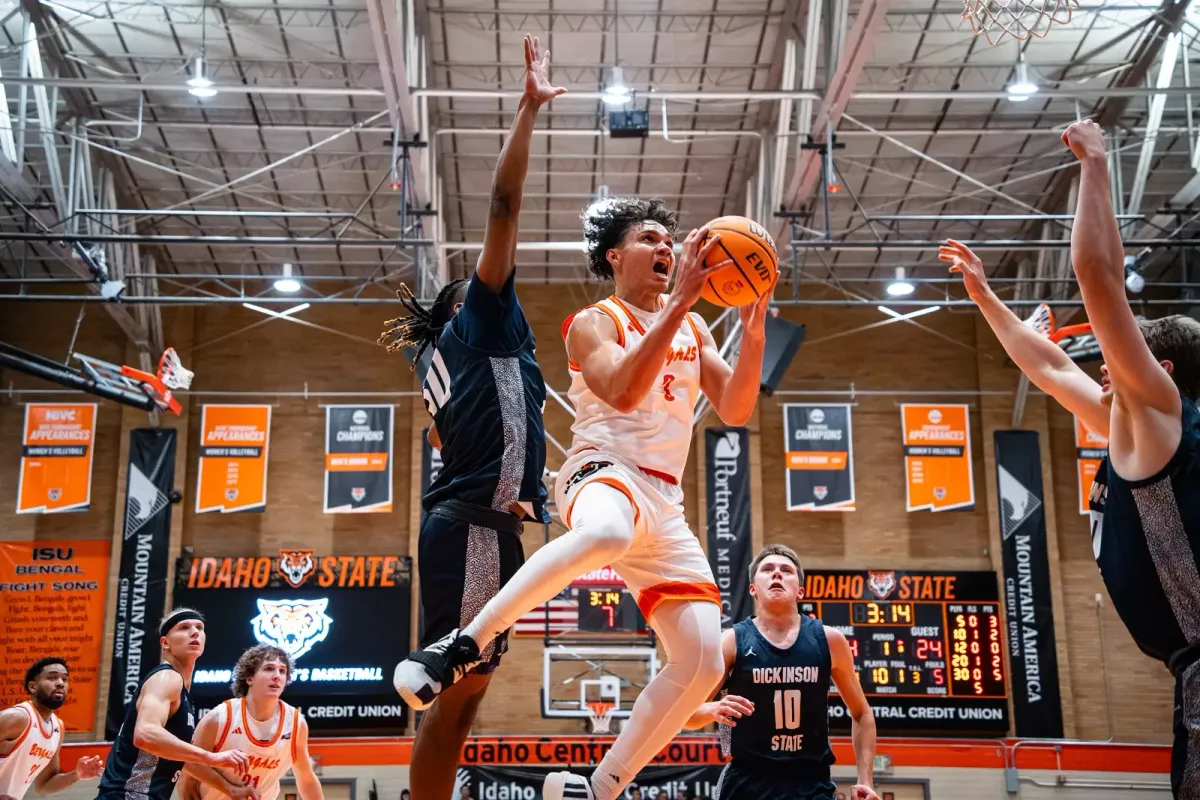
(651, 598)
(566, 326)
(228, 721)
(28, 728)
(613, 482)
(637, 326)
(295, 730)
(38, 718)
(695, 330)
(662, 476)
(250, 731)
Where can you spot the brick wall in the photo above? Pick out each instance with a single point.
(950, 353)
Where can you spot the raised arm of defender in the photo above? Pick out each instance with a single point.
(498, 258)
(1048, 367)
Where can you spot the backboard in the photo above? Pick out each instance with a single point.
(575, 676)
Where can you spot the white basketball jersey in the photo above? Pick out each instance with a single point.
(270, 745)
(31, 753)
(657, 435)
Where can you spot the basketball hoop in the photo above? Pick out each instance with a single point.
(171, 375)
(1077, 341)
(1020, 19)
(600, 713)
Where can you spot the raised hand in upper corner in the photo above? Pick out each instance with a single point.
(538, 88)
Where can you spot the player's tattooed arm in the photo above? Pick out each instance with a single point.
(862, 733)
(306, 779)
(730, 708)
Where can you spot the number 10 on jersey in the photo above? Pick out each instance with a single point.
(787, 709)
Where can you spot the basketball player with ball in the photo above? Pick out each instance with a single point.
(639, 360)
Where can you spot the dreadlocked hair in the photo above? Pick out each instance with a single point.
(606, 222)
(422, 326)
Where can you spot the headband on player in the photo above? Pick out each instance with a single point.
(183, 615)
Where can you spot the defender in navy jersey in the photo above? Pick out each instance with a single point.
(153, 744)
(1145, 503)
(485, 393)
(774, 715)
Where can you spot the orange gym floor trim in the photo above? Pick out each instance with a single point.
(704, 749)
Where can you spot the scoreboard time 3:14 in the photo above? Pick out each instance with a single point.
(928, 647)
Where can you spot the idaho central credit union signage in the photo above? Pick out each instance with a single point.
(322, 610)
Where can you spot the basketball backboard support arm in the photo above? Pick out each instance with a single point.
(126, 393)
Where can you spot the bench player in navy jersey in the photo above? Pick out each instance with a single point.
(153, 744)
(1145, 502)
(774, 715)
(486, 394)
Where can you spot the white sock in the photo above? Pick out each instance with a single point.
(691, 634)
(602, 518)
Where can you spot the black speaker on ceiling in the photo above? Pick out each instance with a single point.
(629, 123)
(783, 339)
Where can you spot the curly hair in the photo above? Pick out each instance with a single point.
(606, 222)
(423, 326)
(249, 663)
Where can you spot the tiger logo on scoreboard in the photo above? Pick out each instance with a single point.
(881, 584)
(292, 625)
(296, 565)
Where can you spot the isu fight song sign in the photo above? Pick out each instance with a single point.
(325, 612)
(1090, 450)
(937, 457)
(358, 459)
(56, 458)
(820, 458)
(233, 458)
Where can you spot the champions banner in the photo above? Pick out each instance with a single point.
(819, 457)
(142, 578)
(937, 457)
(56, 458)
(358, 459)
(727, 476)
(233, 458)
(1090, 450)
(53, 599)
(1037, 708)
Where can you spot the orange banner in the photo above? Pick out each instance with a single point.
(937, 457)
(52, 594)
(56, 458)
(1090, 450)
(233, 458)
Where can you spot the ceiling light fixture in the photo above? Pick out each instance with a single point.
(617, 93)
(287, 283)
(199, 85)
(900, 287)
(1022, 87)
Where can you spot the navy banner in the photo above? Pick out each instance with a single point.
(727, 476)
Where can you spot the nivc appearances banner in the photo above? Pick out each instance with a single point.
(142, 578)
(1033, 660)
(233, 458)
(1090, 450)
(343, 619)
(56, 458)
(52, 594)
(358, 459)
(819, 457)
(727, 476)
(937, 457)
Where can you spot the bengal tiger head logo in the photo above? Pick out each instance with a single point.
(881, 584)
(296, 565)
(292, 625)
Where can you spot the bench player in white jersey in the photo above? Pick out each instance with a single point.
(31, 735)
(639, 362)
(273, 734)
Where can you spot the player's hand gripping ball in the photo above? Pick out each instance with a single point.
(755, 263)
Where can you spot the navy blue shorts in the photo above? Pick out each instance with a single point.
(761, 783)
(461, 567)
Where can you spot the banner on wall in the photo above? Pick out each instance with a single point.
(53, 599)
(727, 478)
(56, 458)
(937, 457)
(1033, 659)
(1090, 450)
(142, 576)
(358, 459)
(233, 458)
(819, 457)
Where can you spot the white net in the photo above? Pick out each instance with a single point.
(172, 372)
(1020, 19)
(1042, 320)
(600, 715)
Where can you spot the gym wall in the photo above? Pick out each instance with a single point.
(949, 352)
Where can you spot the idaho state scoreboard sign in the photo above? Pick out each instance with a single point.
(328, 612)
(928, 647)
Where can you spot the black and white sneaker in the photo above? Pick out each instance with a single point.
(566, 786)
(426, 673)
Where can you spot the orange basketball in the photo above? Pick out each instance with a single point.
(755, 263)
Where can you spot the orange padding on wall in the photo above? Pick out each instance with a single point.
(704, 749)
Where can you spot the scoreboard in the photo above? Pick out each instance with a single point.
(928, 647)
